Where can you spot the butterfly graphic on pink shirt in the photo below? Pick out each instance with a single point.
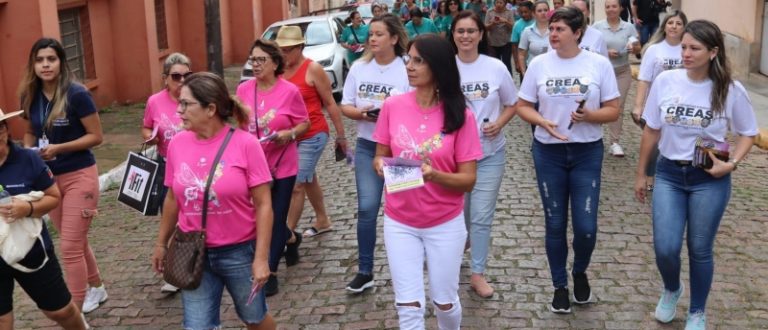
(169, 128)
(414, 150)
(194, 185)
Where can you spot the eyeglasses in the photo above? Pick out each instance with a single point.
(469, 31)
(178, 76)
(257, 60)
(416, 60)
(183, 104)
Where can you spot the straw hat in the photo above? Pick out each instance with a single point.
(4, 116)
(289, 35)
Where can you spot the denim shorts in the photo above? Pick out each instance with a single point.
(230, 267)
(310, 151)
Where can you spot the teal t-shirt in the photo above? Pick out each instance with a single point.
(354, 36)
(517, 29)
(427, 26)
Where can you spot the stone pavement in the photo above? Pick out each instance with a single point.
(623, 274)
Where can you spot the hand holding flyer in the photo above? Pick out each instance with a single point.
(402, 174)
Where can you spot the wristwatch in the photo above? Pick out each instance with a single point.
(735, 163)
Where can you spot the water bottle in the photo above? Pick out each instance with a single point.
(5, 196)
(486, 141)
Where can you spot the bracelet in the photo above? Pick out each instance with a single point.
(735, 163)
(31, 209)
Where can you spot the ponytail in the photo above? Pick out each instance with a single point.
(240, 111)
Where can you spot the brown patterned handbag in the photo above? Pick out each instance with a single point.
(186, 251)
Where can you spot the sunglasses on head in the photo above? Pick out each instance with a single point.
(177, 76)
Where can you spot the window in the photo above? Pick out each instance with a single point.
(76, 38)
(160, 25)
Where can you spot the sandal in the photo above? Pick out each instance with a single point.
(312, 231)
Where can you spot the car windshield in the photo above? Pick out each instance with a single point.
(315, 33)
(365, 11)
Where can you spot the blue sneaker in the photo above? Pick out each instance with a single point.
(696, 321)
(667, 306)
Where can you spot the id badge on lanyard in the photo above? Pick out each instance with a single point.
(43, 142)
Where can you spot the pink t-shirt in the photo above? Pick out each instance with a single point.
(231, 218)
(278, 109)
(161, 113)
(415, 134)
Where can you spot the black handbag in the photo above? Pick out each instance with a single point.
(186, 251)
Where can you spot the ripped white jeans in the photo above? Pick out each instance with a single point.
(443, 247)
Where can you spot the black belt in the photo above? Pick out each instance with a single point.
(680, 163)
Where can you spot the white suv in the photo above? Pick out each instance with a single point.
(322, 46)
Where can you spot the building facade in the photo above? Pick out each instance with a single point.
(117, 47)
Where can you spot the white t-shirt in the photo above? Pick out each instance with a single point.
(488, 87)
(681, 109)
(658, 58)
(593, 41)
(559, 84)
(369, 83)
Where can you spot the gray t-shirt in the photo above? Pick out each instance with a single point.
(533, 42)
(499, 34)
(618, 40)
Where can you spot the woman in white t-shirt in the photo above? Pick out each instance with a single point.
(379, 74)
(491, 95)
(661, 53)
(700, 102)
(577, 93)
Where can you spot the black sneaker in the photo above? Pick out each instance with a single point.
(360, 283)
(271, 288)
(582, 294)
(561, 303)
(292, 251)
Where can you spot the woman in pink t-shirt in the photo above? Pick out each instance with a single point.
(278, 118)
(239, 215)
(438, 130)
(160, 115)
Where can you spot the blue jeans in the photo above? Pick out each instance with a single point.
(282, 189)
(480, 206)
(646, 31)
(687, 195)
(230, 267)
(310, 151)
(569, 173)
(369, 190)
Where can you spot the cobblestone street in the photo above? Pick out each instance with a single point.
(623, 273)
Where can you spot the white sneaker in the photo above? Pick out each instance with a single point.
(168, 288)
(617, 150)
(93, 298)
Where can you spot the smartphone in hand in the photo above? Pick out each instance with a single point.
(373, 113)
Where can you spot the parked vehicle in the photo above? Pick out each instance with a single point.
(322, 46)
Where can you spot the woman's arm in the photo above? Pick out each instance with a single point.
(526, 111)
(91, 138)
(521, 55)
(642, 93)
(262, 203)
(146, 133)
(168, 222)
(323, 87)
(19, 209)
(721, 168)
(648, 141)
(463, 180)
(608, 112)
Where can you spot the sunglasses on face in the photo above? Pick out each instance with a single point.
(257, 59)
(178, 76)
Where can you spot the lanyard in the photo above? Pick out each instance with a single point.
(44, 113)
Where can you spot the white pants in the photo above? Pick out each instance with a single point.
(443, 246)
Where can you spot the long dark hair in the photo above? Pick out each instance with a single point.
(437, 54)
(710, 35)
(31, 83)
(482, 47)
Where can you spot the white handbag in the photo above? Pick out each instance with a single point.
(17, 238)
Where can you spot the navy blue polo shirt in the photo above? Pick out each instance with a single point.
(65, 129)
(22, 172)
